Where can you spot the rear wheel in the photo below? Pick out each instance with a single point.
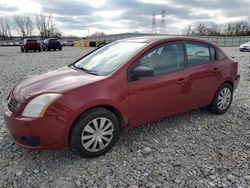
(22, 50)
(26, 50)
(94, 132)
(222, 99)
(60, 49)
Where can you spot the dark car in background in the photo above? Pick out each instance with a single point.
(30, 44)
(51, 43)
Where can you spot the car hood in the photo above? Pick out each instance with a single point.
(59, 81)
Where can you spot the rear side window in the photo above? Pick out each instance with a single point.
(198, 53)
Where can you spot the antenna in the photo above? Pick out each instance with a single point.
(163, 24)
(153, 24)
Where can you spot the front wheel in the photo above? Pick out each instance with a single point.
(222, 99)
(94, 132)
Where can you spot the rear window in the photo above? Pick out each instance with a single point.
(33, 40)
(53, 40)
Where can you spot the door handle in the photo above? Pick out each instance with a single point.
(180, 81)
(215, 69)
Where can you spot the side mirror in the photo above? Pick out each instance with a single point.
(143, 71)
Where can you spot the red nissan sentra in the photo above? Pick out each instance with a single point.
(123, 84)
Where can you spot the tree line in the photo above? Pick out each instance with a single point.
(25, 25)
(239, 28)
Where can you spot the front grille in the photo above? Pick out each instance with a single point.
(12, 103)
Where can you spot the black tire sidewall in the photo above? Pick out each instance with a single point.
(82, 121)
(214, 106)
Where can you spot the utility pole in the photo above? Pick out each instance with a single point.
(153, 31)
(163, 24)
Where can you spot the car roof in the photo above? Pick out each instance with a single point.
(150, 39)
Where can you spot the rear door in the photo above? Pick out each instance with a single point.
(204, 73)
(155, 97)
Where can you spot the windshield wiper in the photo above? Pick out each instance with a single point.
(86, 70)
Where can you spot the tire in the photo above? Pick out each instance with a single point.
(54, 49)
(22, 50)
(34, 50)
(84, 126)
(43, 49)
(60, 49)
(222, 99)
(39, 50)
(48, 49)
(26, 50)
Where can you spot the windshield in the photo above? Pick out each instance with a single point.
(108, 58)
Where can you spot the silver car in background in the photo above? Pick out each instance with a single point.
(245, 47)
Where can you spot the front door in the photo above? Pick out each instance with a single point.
(165, 93)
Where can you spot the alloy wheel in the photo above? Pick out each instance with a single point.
(224, 98)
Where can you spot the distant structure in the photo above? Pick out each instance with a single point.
(163, 24)
(153, 31)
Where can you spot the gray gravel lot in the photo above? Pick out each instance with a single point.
(194, 149)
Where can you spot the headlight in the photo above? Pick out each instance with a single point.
(38, 106)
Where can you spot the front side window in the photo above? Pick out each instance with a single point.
(165, 58)
(197, 54)
(108, 58)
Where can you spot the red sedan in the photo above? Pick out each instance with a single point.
(123, 84)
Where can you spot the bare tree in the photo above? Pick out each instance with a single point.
(200, 29)
(5, 30)
(237, 28)
(46, 26)
(24, 25)
(213, 30)
(188, 30)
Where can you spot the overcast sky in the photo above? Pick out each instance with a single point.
(77, 17)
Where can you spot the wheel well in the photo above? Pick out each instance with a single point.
(110, 108)
(231, 83)
(115, 111)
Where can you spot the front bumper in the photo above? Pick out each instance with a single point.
(36, 133)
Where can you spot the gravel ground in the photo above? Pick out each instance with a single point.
(194, 149)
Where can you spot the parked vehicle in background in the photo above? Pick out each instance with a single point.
(10, 43)
(123, 84)
(51, 44)
(68, 43)
(245, 47)
(30, 44)
(16, 43)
